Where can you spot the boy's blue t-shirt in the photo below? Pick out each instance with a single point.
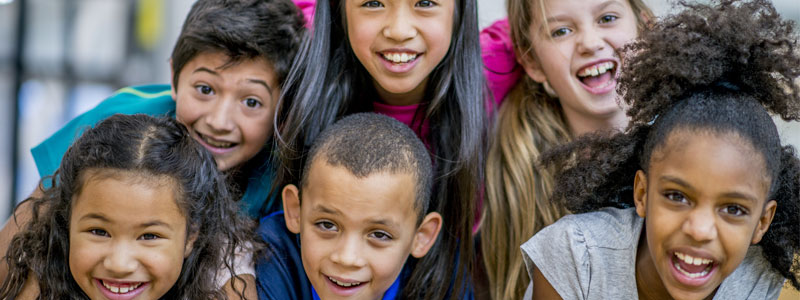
(280, 273)
(153, 100)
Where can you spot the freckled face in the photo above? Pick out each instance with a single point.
(704, 206)
(227, 110)
(400, 42)
(127, 237)
(356, 233)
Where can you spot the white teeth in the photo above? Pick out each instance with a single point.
(692, 260)
(597, 69)
(120, 290)
(692, 275)
(215, 143)
(399, 58)
(344, 284)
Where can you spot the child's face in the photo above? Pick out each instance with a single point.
(703, 200)
(577, 52)
(400, 42)
(127, 237)
(228, 109)
(356, 233)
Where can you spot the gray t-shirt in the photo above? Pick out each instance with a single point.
(593, 256)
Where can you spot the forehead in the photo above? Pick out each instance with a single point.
(220, 63)
(380, 194)
(712, 161)
(129, 198)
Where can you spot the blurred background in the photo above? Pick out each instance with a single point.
(59, 58)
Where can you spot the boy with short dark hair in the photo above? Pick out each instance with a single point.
(356, 218)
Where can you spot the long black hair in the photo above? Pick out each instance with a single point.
(718, 68)
(151, 147)
(328, 82)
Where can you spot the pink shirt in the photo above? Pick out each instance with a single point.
(499, 62)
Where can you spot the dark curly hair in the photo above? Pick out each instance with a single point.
(719, 68)
(241, 29)
(151, 147)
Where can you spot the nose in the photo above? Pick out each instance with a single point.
(348, 253)
(701, 225)
(590, 41)
(121, 260)
(399, 25)
(219, 117)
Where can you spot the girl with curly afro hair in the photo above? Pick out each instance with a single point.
(696, 198)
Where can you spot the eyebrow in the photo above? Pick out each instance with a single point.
(600, 7)
(327, 210)
(96, 216)
(384, 222)
(686, 185)
(261, 82)
(256, 81)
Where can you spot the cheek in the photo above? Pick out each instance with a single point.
(165, 264)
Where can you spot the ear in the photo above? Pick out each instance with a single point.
(291, 207)
(532, 68)
(173, 86)
(764, 221)
(189, 245)
(426, 235)
(640, 192)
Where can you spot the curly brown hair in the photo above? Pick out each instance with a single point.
(151, 147)
(719, 68)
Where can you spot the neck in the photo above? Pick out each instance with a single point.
(581, 124)
(648, 283)
(411, 97)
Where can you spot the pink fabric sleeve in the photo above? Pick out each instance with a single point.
(499, 62)
(307, 7)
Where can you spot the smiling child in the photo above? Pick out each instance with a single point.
(136, 211)
(356, 216)
(571, 52)
(697, 199)
(227, 66)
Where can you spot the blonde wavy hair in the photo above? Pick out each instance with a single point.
(517, 186)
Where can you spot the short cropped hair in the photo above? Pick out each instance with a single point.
(368, 143)
(241, 29)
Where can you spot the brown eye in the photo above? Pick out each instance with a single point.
(734, 210)
(204, 89)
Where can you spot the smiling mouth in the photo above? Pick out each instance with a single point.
(692, 267)
(344, 284)
(598, 75)
(216, 143)
(123, 288)
(399, 57)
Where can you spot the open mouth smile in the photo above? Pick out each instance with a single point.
(692, 270)
(598, 78)
(344, 287)
(121, 290)
(215, 145)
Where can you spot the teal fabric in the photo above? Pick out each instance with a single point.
(154, 100)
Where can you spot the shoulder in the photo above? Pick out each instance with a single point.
(569, 252)
(754, 278)
(279, 271)
(155, 100)
(606, 228)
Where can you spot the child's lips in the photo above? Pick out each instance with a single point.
(121, 290)
(216, 146)
(691, 268)
(344, 287)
